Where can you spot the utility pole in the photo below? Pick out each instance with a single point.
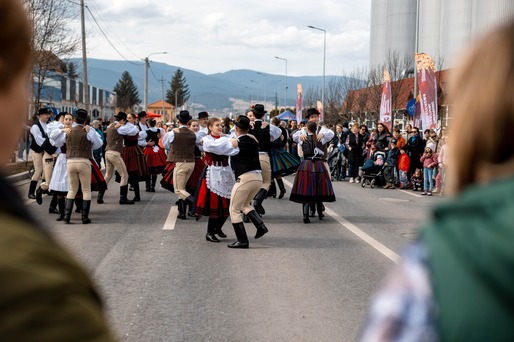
(162, 87)
(84, 56)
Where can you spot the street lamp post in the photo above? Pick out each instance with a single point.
(250, 89)
(265, 86)
(147, 64)
(285, 93)
(258, 86)
(324, 58)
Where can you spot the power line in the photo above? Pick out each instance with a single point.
(108, 40)
(111, 29)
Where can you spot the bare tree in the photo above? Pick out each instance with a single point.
(52, 40)
(352, 82)
(311, 96)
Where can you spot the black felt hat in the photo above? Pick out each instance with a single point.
(203, 115)
(243, 122)
(81, 114)
(184, 116)
(312, 111)
(258, 110)
(121, 116)
(44, 111)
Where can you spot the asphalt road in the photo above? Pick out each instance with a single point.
(162, 281)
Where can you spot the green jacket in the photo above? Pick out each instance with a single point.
(471, 259)
(45, 295)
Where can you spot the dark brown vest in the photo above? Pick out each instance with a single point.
(77, 145)
(183, 146)
(114, 140)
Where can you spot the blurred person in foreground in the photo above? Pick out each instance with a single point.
(456, 282)
(46, 295)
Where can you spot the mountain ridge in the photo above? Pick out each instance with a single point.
(211, 92)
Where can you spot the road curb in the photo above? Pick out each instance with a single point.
(18, 177)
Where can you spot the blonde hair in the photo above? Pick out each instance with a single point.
(482, 91)
(211, 122)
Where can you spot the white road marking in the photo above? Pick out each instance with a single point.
(353, 228)
(409, 193)
(172, 219)
(388, 199)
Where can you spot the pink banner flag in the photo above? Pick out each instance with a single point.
(385, 103)
(319, 106)
(299, 103)
(427, 86)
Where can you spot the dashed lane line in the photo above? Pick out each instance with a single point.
(171, 220)
(409, 193)
(361, 234)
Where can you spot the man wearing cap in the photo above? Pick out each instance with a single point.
(42, 152)
(323, 135)
(113, 157)
(265, 134)
(80, 143)
(247, 169)
(182, 153)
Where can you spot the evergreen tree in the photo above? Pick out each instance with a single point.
(179, 85)
(126, 92)
(71, 70)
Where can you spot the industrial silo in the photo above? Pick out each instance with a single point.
(377, 49)
(401, 27)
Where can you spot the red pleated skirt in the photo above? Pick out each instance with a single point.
(207, 203)
(156, 161)
(98, 182)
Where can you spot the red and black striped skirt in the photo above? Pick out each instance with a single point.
(207, 203)
(312, 183)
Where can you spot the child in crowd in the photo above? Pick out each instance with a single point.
(429, 160)
(390, 164)
(403, 168)
(417, 180)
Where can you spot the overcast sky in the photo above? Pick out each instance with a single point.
(218, 36)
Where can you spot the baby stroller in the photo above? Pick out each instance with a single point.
(336, 161)
(372, 170)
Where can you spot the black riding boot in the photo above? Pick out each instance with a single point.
(85, 212)
(282, 188)
(272, 191)
(319, 207)
(52, 209)
(39, 196)
(100, 197)
(148, 185)
(61, 203)
(123, 195)
(32, 189)
(211, 230)
(258, 223)
(67, 210)
(190, 202)
(154, 181)
(78, 204)
(258, 199)
(305, 207)
(182, 207)
(242, 239)
(137, 197)
(219, 224)
(312, 209)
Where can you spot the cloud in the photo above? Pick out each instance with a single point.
(218, 36)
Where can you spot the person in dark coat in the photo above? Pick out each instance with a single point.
(355, 148)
